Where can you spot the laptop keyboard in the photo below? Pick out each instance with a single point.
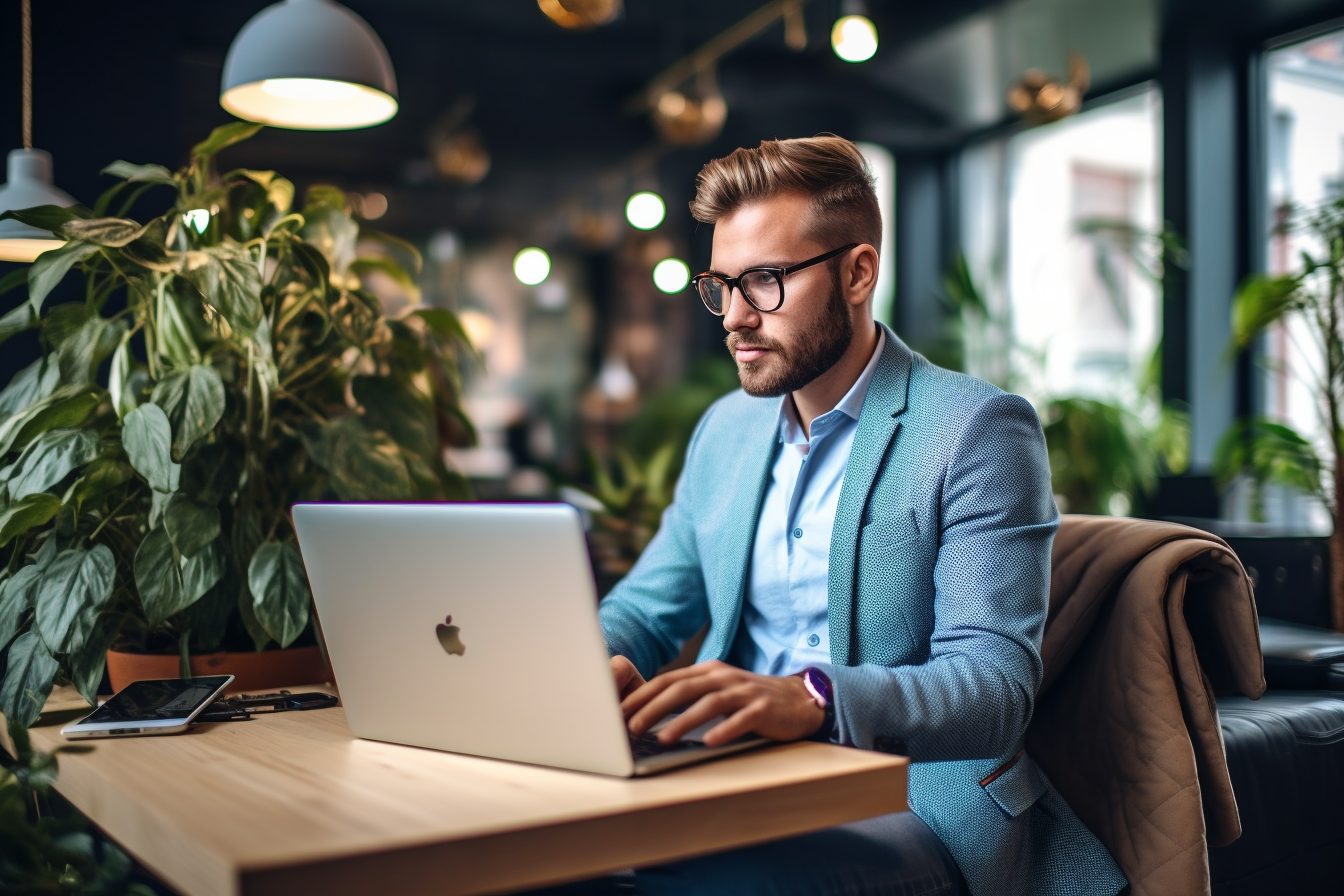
(645, 745)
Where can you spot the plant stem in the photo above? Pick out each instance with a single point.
(109, 517)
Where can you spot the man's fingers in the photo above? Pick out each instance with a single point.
(671, 698)
(710, 706)
(711, 671)
(740, 723)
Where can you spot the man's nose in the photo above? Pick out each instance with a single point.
(740, 315)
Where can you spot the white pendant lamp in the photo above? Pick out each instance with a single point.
(310, 65)
(28, 175)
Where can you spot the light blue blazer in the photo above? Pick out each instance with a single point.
(937, 592)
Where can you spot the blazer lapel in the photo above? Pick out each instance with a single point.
(878, 426)
(746, 475)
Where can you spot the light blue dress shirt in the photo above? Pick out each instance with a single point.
(784, 625)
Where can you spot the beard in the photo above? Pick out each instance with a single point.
(791, 365)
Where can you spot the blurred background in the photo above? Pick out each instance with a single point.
(1073, 191)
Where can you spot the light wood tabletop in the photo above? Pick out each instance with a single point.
(294, 803)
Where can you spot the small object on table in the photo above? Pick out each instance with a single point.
(282, 701)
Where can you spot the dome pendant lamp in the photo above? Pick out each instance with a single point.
(311, 65)
(28, 176)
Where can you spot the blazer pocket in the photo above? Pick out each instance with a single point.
(1017, 785)
(896, 528)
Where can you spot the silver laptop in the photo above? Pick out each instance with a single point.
(473, 628)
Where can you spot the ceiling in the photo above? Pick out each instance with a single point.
(141, 80)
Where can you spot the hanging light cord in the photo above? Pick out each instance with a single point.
(27, 74)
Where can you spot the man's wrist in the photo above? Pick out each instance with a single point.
(820, 689)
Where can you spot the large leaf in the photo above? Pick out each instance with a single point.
(83, 339)
(193, 399)
(230, 282)
(17, 595)
(119, 379)
(114, 232)
(224, 136)
(173, 337)
(47, 217)
(101, 478)
(62, 413)
(76, 584)
(51, 268)
(1260, 302)
(28, 387)
(362, 267)
(20, 319)
(153, 174)
(87, 663)
(50, 458)
(29, 675)
(279, 591)
(398, 409)
(30, 512)
(190, 526)
(148, 440)
(443, 323)
(11, 427)
(364, 465)
(330, 230)
(168, 582)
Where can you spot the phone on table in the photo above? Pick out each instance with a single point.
(164, 706)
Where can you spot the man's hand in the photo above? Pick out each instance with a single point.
(628, 679)
(777, 708)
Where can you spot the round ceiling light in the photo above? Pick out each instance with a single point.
(28, 185)
(645, 210)
(671, 275)
(854, 38)
(531, 266)
(309, 65)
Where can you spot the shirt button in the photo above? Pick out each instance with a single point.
(813, 640)
(797, 533)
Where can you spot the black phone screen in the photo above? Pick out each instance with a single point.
(147, 701)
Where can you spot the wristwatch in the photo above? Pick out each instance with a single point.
(818, 684)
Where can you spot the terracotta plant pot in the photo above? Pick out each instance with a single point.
(252, 671)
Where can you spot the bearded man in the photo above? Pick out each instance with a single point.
(868, 538)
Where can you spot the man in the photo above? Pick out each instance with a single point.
(868, 537)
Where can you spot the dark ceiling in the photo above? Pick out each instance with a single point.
(141, 81)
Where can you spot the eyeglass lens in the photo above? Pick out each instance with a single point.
(762, 288)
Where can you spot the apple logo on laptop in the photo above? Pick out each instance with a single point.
(449, 637)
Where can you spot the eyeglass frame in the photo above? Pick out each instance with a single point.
(735, 283)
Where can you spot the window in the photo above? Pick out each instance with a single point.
(1304, 143)
(1061, 228)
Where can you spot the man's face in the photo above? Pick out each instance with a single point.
(784, 350)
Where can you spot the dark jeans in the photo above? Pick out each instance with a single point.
(891, 855)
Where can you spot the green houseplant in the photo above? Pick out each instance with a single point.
(1266, 451)
(225, 362)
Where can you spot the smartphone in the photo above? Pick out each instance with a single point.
(165, 706)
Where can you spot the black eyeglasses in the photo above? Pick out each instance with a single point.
(763, 288)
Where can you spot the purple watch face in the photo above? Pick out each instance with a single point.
(818, 685)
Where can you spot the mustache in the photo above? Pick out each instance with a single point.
(734, 341)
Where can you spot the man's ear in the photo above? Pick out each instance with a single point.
(860, 277)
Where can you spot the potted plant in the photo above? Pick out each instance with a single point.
(1266, 451)
(225, 362)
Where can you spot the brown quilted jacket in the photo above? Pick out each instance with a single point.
(1148, 621)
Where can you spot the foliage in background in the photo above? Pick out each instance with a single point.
(224, 363)
(1267, 452)
(1105, 456)
(636, 487)
(49, 855)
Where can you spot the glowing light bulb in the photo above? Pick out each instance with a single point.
(197, 219)
(645, 210)
(854, 38)
(671, 275)
(531, 266)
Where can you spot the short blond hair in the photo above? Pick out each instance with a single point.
(829, 170)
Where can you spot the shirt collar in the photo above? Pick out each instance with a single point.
(851, 405)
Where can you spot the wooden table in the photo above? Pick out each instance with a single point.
(294, 803)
